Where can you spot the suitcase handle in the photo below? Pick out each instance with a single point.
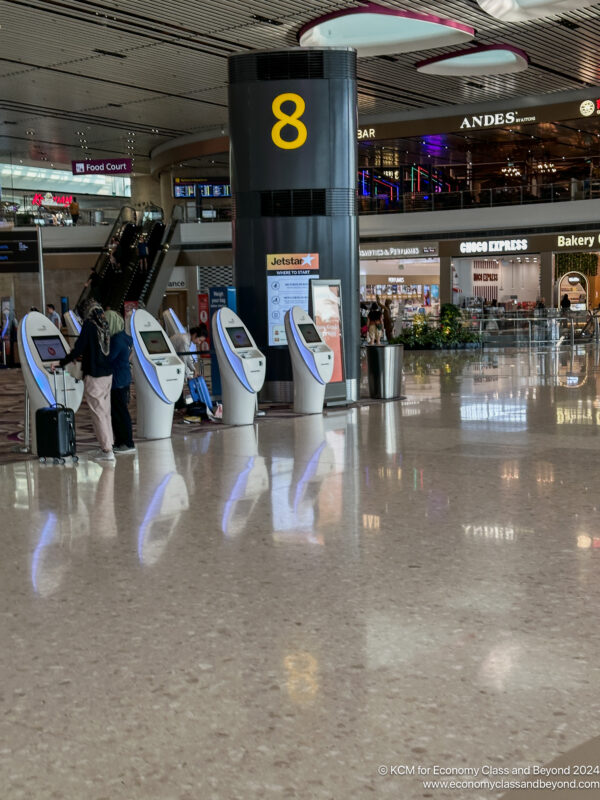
(57, 404)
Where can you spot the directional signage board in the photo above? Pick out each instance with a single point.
(19, 251)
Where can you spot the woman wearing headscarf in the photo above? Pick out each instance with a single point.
(93, 347)
(120, 350)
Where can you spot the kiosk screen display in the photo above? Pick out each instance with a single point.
(239, 337)
(155, 343)
(50, 348)
(310, 333)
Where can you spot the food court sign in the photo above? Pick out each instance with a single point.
(102, 166)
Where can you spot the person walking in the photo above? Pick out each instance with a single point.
(388, 322)
(93, 347)
(375, 324)
(565, 303)
(53, 315)
(74, 210)
(120, 350)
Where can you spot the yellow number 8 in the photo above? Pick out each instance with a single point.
(293, 120)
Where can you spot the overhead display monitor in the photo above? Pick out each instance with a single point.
(239, 337)
(49, 348)
(19, 251)
(310, 333)
(155, 343)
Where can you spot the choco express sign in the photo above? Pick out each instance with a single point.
(494, 246)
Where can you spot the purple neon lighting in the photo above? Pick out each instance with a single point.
(147, 366)
(39, 375)
(234, 360)
(307, 355)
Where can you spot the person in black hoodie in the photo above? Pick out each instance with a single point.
(93, 347)
(120, 350)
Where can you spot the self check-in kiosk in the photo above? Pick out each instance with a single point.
(312, 361)
(73, 324)
(158, 373)
(241, 364)
(40, 345)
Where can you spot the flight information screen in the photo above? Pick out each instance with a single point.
(310, 333)
(155, 342)
(50, 348)
(239, 337)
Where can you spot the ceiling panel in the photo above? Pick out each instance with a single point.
(164, 65)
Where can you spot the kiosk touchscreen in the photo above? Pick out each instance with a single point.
(312, 361)
(73, 324)
(241, 364)
(158, 372)
(41, 344)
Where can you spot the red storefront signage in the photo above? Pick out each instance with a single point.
(204, 317)
(49, 199)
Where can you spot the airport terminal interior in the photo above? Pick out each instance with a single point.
(299, 400)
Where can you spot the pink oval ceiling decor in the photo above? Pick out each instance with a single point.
(491, 59)
(523, 10)
(375, 30)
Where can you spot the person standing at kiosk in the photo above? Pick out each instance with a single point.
(121, 345)
(93, 347)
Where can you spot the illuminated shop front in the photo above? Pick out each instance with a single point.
(408, 273)
(517, 270)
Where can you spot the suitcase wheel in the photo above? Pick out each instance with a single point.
(42, 459)
(75, 459)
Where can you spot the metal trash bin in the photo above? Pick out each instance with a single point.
(384, 368)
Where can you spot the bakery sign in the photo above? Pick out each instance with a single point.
(585, 241)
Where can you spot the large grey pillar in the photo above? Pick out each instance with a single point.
(292, 123)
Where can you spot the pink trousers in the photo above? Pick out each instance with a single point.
(97, 394)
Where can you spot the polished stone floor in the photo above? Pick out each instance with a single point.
(291, 609)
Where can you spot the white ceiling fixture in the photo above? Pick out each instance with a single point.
(376, 30)
(492, 59)
(523, 10)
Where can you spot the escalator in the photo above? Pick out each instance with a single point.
(118, 275)
(160, 271)
(132, 278)
(99, 288)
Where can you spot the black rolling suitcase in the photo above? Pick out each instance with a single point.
(55, 430)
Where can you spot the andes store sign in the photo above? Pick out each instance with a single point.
(495, 120)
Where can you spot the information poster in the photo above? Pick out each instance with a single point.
(204, 318)
(288, 282)
(327, 314)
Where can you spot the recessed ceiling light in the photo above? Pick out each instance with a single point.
(523, 10)
(376, 30)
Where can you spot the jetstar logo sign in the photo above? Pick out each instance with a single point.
(293, 261)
